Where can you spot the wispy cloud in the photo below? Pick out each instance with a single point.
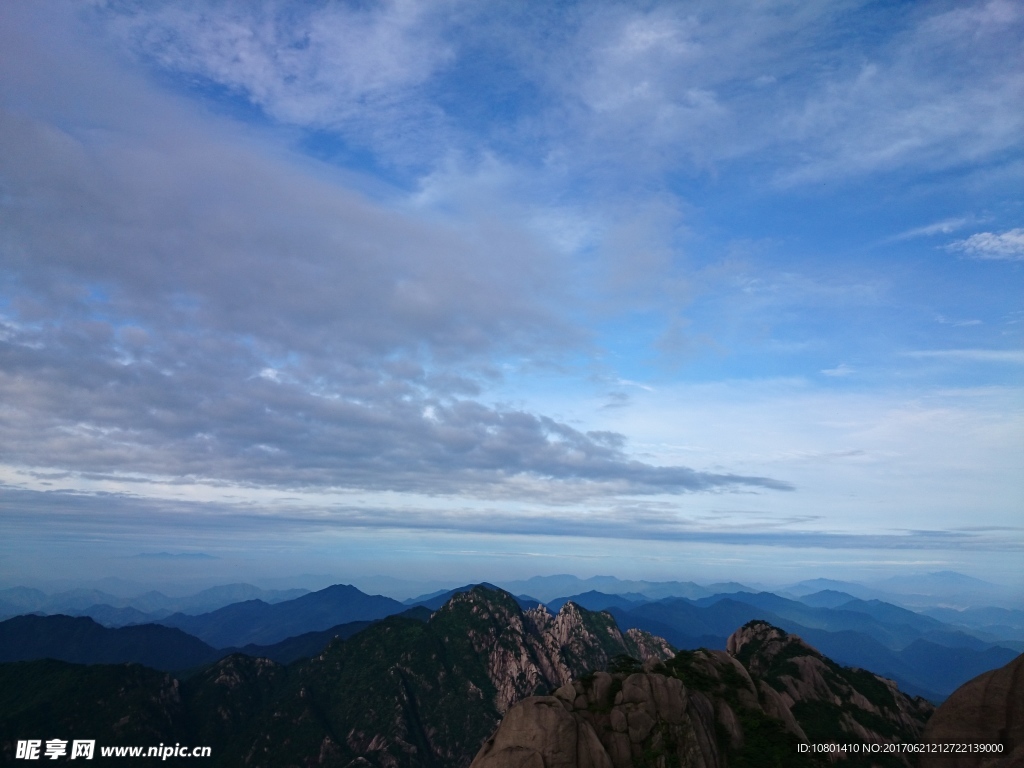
(619, 90)
(839, 371)
(117, 516)
(944, 227)
(175, 556)
(971, 355)
(356, 69)
(1001, 246)
(957, 323)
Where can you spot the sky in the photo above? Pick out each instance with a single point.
(459, 291)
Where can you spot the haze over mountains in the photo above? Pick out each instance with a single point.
(427, 689)
(929, 652)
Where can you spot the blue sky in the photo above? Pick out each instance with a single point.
(478, 291)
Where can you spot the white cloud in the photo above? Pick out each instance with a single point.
(1002, 246)
(957, 323)
(354, 68)
(944, 227)
(971, 355)
(627, 91)
(840, 370)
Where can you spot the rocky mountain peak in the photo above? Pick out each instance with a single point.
(758, 645)
(792, 676)
(750, 705)
(531, 651)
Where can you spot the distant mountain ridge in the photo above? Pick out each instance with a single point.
(551, 587)
(926, 656)
(402, 692)
(145, 607)
(256, 622)
(426, 690)
(80, 640)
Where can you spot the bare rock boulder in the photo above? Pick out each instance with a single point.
(606, 721)
(986, 710)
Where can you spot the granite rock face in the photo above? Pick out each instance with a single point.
(986, 710)
(607, 721)
(753, 705)
(412, 693)
(794, 676)
(533, 650)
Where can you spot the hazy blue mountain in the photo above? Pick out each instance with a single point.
(947, 588)
(29, 600)
(420, 599)
(921, 591)
(925, 656)
(727, 587)
(827, 598)
(551, 587)
(217, 597)
(81, 640)
(389, 586)
(956, 639)
(935, 583)
(921, 667)
(949, 668)
(892, 614)
(674, 629)
(891, 625)
(309, 644)
(687, 625)
(811, 586)
(988, 623)
(257, 622)
(109, 616)
(599, 601)
(22, 599)
(104, 606)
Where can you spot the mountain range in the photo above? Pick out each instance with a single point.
(113, 610)
(403, 691)
(434, 688)
(926, 654)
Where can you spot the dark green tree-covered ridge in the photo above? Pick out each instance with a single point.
(403, 692)
(80, 640)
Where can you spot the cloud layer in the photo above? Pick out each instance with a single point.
(182, 306)
(440, 267)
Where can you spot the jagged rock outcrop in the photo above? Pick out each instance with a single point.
(704, 709)
(986, 710)
(409, 693)
(606, 721)
(533, 650)
(867, 707)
